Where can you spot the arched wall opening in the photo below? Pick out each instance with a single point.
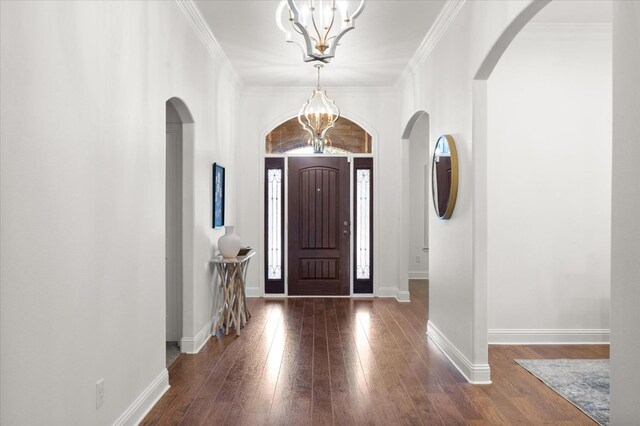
(178, 228)
(549, 182)
(414, 253)
(480, 342)
(488, 188)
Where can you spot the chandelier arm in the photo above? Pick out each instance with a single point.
(352, 25)
(313, 20)
(333, 18)
(305, 34)
(296, 28)
(337, 37)
(323, 39)
(358, 11)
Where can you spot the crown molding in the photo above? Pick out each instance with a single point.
(437, 30)
(307, 89)
(566, 31)
(202, 29)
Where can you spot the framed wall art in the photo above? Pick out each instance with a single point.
(218, 195)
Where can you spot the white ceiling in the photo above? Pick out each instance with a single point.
(374, 54)
(575, 12)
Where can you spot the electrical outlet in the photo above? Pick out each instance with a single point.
(418, 260)
(99, 393)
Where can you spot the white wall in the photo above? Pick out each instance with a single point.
(84, 86)
(371, 109)
(419, 198)
(625, 238)
(173, 237)
(549, 186)
(439, 82)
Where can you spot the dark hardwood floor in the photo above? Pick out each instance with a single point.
(344, 361)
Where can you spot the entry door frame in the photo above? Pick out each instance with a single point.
(285, 266)
(377, 290)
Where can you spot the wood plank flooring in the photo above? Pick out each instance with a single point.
(347, 361)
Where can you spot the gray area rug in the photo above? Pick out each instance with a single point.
(583, 382)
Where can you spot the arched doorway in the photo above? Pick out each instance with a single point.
(480, 213)
(179, 134)
(501, 211)
(553, 195)
(414, 253)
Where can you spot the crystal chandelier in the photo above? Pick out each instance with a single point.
(321, 23)
(318, 115)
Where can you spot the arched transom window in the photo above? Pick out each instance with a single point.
(345, 137)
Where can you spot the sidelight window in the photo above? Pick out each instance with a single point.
(363, 226)
(274, 229)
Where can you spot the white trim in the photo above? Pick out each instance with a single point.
(315, 296)
(346, 296)
(439, 27)
(478, 374)
(145, 401)
(201, 28)
(386, 291)
(261, 90)
(192, 345)
(418, 275)
(522, 336)
(403, 296)
(274, 296)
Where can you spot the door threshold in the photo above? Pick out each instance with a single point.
(319, 296)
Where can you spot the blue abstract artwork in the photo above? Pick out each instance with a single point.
(218, 195)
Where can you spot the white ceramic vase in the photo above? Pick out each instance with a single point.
(229, 243)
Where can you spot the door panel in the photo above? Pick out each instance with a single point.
(318, 226)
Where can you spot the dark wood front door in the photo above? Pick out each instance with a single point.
(319, 226)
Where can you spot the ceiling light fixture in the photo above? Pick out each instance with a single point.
(321, 23)
(318, 115)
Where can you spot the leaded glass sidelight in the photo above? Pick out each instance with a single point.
(274, 198)
(363, 182)
(363, 225)
(274, 225)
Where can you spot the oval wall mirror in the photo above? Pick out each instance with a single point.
(444, 176)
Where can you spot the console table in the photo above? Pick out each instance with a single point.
(229, 299)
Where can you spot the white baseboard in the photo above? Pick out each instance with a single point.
(402, 296)
(273, 295)
(192, 345)
(145, 402)
(418, 275)
(478, 374)
(253, 292)
(521, 336)
(386, 292)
